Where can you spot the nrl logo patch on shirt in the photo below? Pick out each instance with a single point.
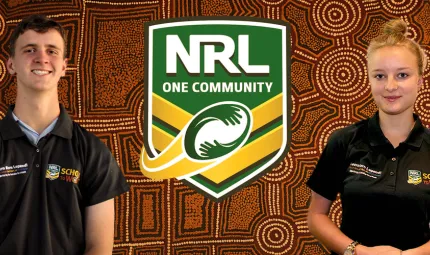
(414, 177)
(53, 172)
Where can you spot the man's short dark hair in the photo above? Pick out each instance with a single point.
(38, 23)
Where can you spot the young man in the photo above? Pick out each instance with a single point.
(57, 181)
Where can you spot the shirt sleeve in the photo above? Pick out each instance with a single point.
(327, 178)
(103, 178)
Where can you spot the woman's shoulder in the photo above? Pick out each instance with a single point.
(351, 132)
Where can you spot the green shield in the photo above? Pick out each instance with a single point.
(217, 101)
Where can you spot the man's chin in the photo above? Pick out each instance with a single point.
(39, 87)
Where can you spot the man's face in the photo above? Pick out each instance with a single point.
(38, 62)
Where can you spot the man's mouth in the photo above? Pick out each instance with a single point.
(41, 72)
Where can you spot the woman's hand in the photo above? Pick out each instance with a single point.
(377, 250)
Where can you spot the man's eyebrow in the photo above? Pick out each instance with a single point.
(35, 45)
(28, 45)
(53, 46)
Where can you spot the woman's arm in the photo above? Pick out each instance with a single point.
(321, 226)
(422, 250)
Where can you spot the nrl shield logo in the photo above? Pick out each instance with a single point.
(217, 108)
(53, 172)
(414, 177)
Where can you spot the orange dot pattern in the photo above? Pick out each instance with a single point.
(215, 8)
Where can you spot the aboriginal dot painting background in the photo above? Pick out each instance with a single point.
(103, 91)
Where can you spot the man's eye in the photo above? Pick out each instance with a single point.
(30, 50)
(54, 52)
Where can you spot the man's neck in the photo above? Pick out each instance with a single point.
(37, 112)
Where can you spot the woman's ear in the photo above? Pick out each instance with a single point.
(420, 82)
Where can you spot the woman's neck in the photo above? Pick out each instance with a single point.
(396, 128)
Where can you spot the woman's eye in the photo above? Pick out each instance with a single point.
(379, 76)
(402, 75)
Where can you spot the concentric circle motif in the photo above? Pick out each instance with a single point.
(2, 24)
(293, 104)
(399, 6)
(412, 33)
(336, 212)
(3, 70)
(336, 18)
(140, 118)
(276, 236)
(282, 171)
(342, 75)
(273, 2)
(328, 131)
(426, 70)
(422, 104)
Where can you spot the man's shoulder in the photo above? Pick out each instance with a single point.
(86, 138)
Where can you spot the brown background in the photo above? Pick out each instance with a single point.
(103, 91)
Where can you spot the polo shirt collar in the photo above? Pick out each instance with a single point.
(11, 130)
(377, 138)
(64, 126)
(9, 127)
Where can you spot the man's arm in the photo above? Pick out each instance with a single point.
(99, 228)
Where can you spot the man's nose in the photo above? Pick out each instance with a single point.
(41, 57)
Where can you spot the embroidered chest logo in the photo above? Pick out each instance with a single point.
(70, 175)
(65, 174)
(363, 170)
(53, 172)
(426, 178)
(414, 177)
(12, 170)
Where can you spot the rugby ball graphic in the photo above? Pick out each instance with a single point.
(217, 130)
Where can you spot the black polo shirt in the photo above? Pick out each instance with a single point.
(385, 191)
(44, 189)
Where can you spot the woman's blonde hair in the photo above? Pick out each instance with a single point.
(394, 33)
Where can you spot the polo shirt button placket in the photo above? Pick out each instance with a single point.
(37, 162)
(393, 171)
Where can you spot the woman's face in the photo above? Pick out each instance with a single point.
(394, 79)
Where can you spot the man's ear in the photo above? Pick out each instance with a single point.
(63, 71)
(10, 66)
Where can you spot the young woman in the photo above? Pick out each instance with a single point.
(380, 166)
